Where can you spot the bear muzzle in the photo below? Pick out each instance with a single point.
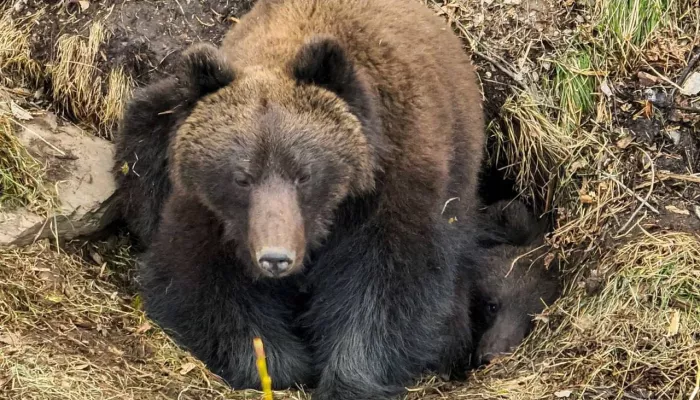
(276, 229)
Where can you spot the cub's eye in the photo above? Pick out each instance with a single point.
(303, 178)
(492, 307)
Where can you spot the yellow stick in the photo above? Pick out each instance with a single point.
(262, 369)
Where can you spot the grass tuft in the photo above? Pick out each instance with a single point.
(77, 84)
(119, 87)
(15, 59)
(574, 86)
(21, 182)
(625, 26)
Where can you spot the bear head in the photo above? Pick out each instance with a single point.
(272, 152)
(516, 286)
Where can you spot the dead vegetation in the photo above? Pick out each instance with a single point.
(77, 85)
(21, 175)
(589, 122)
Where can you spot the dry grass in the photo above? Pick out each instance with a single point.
(15, 57)
(21, 179)
(79, 88)
(77, 83)
(67, 331)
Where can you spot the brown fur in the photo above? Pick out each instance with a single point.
(358, 120)
(423, 80)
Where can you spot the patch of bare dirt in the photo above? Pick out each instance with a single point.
(144, 34)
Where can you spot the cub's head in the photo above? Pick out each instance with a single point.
(274, 151)
(515, 286)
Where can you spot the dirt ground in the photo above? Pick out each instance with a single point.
(593, 130)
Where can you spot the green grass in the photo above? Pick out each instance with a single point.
(575, 86)
(625, 26)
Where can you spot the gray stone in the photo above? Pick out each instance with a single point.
(78, 164)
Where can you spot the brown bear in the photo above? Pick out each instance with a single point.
(511, 282)
(312, 163)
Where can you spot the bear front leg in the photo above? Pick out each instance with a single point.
(198, 292)
(377, 318)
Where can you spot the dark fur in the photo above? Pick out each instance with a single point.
(504, 299)
(380, 99)
(151, 119)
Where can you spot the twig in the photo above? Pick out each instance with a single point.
(59, 151)
(697, 381)
(646, 199)
(689, 178)
(630, 191)
(501, 67)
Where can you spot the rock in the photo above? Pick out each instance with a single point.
(79, 166)
(691, 86)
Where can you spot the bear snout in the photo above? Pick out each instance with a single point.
(276, 261)
(276, 229)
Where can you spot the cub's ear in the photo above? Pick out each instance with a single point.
(322, 61)
(203, 69)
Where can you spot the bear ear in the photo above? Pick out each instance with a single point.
(322, 61)
(204, 69)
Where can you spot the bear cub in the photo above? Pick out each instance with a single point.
(511, 282)
(293, 185)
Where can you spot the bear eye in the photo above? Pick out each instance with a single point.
(493, 307)
(242, 181)
(303, 178)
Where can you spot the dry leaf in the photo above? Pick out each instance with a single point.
(578, 164)
(562, 394)
(677, 210)
(54, 298)
(647, 79)
(584, 323)
(143, 328)
(541, 317)
(186, 368)
(20, 113)
(697, 211)
(587, 199)
(115, 351)
(548, 259)
(624, 142)
(605, 88)
(675, 323)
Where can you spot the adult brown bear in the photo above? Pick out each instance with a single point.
(313, 162)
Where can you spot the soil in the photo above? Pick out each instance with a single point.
(145, 35)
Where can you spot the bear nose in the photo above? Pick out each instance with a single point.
(276, 261)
